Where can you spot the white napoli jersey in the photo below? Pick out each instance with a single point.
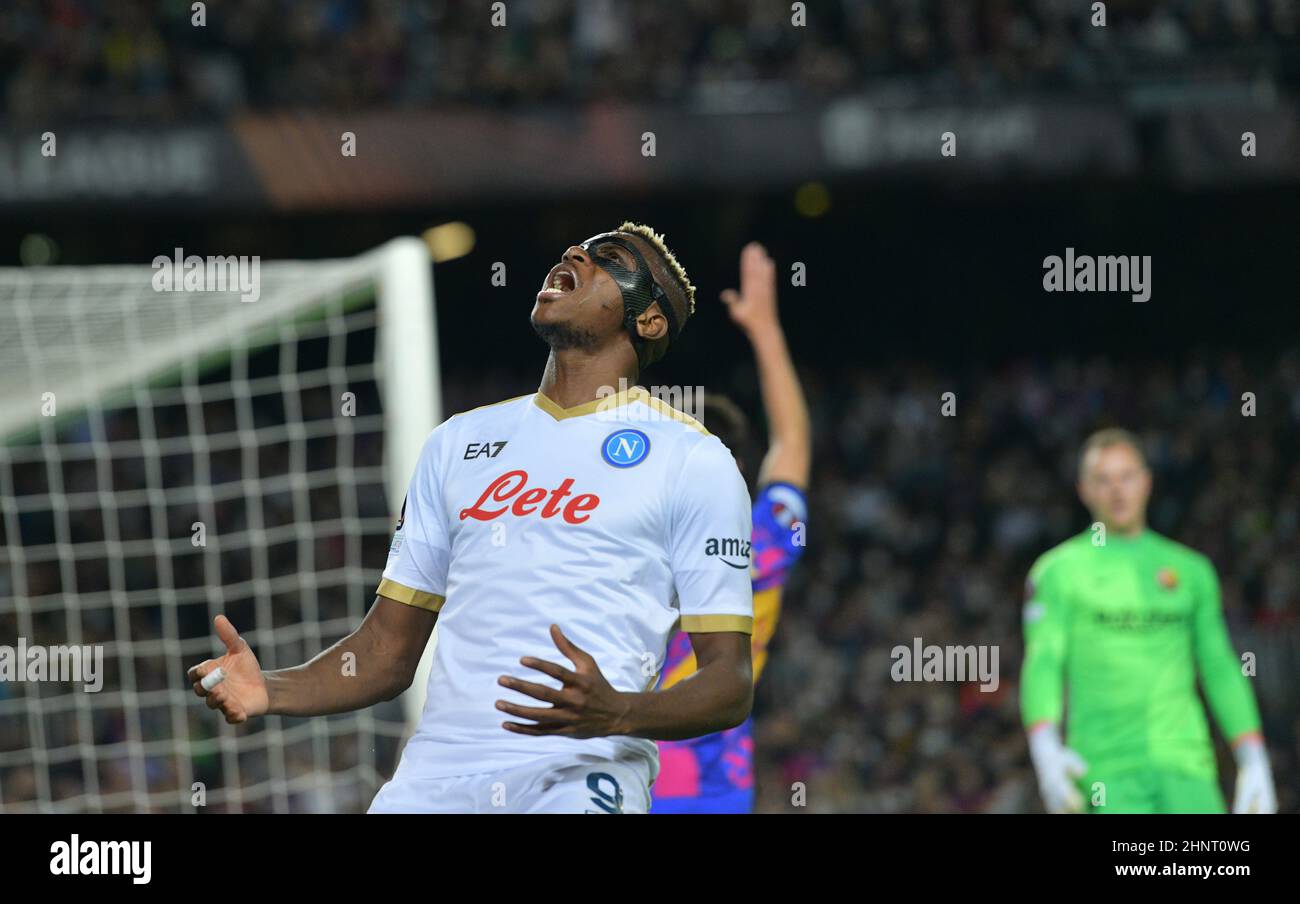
(616, 520)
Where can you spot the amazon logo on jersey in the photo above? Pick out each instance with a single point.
(729, 548)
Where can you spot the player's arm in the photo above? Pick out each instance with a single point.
(1042, 674)
(381, 654)
(754, 310)
(716, 697)
(1042, 691)
(385, 649)
(376, 662)
(1231, 699)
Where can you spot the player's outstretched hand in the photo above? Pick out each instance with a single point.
(1059, 768)
(587, 706)
(754, 306)
(240, 692)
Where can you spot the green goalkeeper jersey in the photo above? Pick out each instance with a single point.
(1127, 627)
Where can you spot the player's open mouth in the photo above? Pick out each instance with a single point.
(562, 280)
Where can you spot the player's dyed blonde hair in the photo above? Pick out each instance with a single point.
(670, 259)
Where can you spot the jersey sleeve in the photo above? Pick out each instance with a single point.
(709, 542)
(1226, 687)
(1046, 620)
(780, 519)
(416, 572)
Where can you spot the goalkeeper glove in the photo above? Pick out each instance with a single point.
(1255, 793)
(1058, 769)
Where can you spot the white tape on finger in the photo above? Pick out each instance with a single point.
(213, 678)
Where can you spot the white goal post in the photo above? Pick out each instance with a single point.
(169, 455)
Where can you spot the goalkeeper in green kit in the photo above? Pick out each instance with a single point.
(1124, 625)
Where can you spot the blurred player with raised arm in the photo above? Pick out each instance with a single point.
(574, 523)
(1125, 624)
(714, 773)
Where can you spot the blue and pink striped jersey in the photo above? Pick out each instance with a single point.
(714, 773)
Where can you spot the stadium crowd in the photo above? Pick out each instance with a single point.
(111, 58)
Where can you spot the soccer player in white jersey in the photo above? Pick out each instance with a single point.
(558, 539)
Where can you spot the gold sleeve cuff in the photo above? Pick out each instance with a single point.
(420, 599)
(712, 624)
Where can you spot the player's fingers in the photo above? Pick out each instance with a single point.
(537, 691)
(550, 668)
(197, 672)
(229, 636)
(571, 650)
(729, 297)
(754, 263)
(545, 715)
(220, 698)
(534, 730)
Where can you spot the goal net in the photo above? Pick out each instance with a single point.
(168, 456)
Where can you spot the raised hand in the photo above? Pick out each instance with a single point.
(754, 306)
(242, 694)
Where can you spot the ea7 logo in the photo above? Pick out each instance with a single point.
(484, 450)
(726, 548)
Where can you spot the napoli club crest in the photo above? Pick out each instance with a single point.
(625, 448)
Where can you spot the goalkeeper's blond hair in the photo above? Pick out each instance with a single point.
(1111, 436)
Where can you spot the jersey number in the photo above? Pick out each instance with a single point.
(608, 801)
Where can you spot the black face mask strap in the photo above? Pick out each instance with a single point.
(638, 286)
